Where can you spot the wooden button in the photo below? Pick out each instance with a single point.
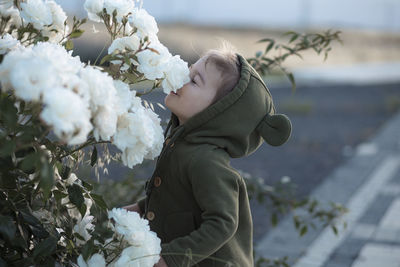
(172, 144)
(150, 215)
(157, 181)
(167, 141)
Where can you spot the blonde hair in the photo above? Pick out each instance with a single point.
(226, 61)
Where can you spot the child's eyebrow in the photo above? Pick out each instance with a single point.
(197, 72)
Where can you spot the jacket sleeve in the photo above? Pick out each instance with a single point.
(141, 203)
(215, 188)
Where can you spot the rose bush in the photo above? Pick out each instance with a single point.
(52, 107)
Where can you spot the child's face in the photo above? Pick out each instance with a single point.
(197, 94)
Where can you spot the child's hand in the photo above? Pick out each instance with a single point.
(134, 207)
(161, 263)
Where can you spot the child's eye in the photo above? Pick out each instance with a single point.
(193, 81)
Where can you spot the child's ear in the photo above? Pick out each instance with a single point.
(275, 129)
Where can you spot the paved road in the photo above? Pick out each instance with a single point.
(368, 183)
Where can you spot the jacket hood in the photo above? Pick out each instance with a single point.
(240, 121)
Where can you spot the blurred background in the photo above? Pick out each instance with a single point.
(338, 103)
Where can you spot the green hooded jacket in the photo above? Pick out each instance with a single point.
(195, 201)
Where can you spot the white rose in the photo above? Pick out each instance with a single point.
(8, 43)
(156, 147)
(144, 22)
(123, 7)
(139, 135)
(58, 17)
(30, 78)
(176, 74)
(129, 225)
(151, 63)
(71, 179)
(76, 85)
(67, 114)
(105, 123)
(121, 44)
(58, 14)
(101, 88)
(61, 59)
(132, 156)
(5, 5)
(9, 61)
(37, 13)
(82, 228)
(126, 98)
(140, 255)
(125, 134)
(96, 260)
(94, 7)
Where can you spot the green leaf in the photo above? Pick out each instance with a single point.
(7, 148)
(65, 172)
(93, 158)
(127, 60)
(294, 37)
(303, 230)
(131, 77)
(76, 33)
(99, 201)
(106, 58)
(46, 179)
(258, 54)
(87, 250)
(296, 222)
(274, 219)
(265, 40)
(8, 112)
(269, 47)
(36, 226)
(46, 247)
(7, 227)
(87, 185)
(69, 45)
(334, 229)
(30, 162)
(75, 195)
(2, 263)
(312, 206)
(289, 32)
(291, 78)
(82, 209)
(58, 195)
(30, 219)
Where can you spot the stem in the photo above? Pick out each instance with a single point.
(88, 142)
(99, 54)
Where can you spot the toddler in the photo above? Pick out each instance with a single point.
(195, 201)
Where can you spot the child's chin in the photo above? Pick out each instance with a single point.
(167, 100)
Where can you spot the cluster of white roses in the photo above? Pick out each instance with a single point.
(141, 246)
(78, 99)
(45, 16)
(155, 62)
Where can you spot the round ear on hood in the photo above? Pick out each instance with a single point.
(275, 129)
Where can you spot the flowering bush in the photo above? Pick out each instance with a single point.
(52, 107)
